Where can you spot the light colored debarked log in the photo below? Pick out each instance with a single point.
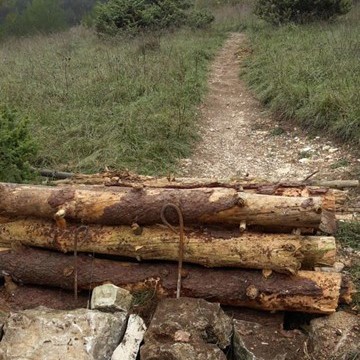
(308, 291)
(279, 252)
(126, 178)
(116, 206)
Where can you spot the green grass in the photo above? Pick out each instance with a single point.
(96, 102)
(310, 74)
(348, 235)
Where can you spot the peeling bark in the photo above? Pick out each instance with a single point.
(308, 291)
(114, 206)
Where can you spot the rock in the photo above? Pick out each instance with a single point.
(130, 344)
(284, 170)
(3, 317)
(109, 297)
(333, 150)
(185, 162)
(337, 267)
(186, 328)
(335, 337)
(304, 160)
(326, 147)
(307, 149)
(263, 340)
(45, 334)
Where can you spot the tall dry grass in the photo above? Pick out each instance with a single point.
(96, 102)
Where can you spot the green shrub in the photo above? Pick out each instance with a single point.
(16, 147)
(284, 11)
(199, 19)
(137, 15)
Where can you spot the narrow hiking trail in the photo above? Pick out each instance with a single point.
(240, 138)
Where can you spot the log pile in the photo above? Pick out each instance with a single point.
(245, 244)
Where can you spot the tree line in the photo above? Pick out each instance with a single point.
(22, 17)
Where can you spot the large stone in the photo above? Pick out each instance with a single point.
(44, 334)
(259, 335)
(130, 344)
(335, 337)
(3, 317)
(109, 297)
(186, 328)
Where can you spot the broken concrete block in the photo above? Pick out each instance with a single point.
(45, 334)
(130, 344)
(109, 297)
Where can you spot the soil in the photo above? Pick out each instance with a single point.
(240, 138)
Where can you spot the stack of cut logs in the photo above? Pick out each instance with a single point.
(246, 243)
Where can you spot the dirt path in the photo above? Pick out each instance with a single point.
(239, 138)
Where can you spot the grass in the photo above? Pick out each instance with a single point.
(310, 74)
(96, 102)
(348, 235)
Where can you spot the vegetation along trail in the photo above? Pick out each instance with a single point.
(240, 138)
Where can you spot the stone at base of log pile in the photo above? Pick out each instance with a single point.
(186, 329)
(130, 344)
(308, 291)
(44, 334)
(335, 337)
(111, 298)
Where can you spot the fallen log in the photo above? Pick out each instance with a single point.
(126, 206)
(308, 291)
(214, 248)
(126, 178)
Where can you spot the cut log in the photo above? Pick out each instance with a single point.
(126, 178)
(279, 252)
(120, 205)
(308, 291)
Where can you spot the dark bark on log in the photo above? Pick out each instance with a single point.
(308, 291)
(143, 206)
(214, 248)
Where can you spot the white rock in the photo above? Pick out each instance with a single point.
(129, 346)
(46, 334)
(326, 147)
(284, 170)
(333, 150)
(109, 297)
(338, 266)
(304, 160)
(306, 149)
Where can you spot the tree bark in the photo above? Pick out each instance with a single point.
(308, 291)
(126, 178)
(143, 206)
(213, 248)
